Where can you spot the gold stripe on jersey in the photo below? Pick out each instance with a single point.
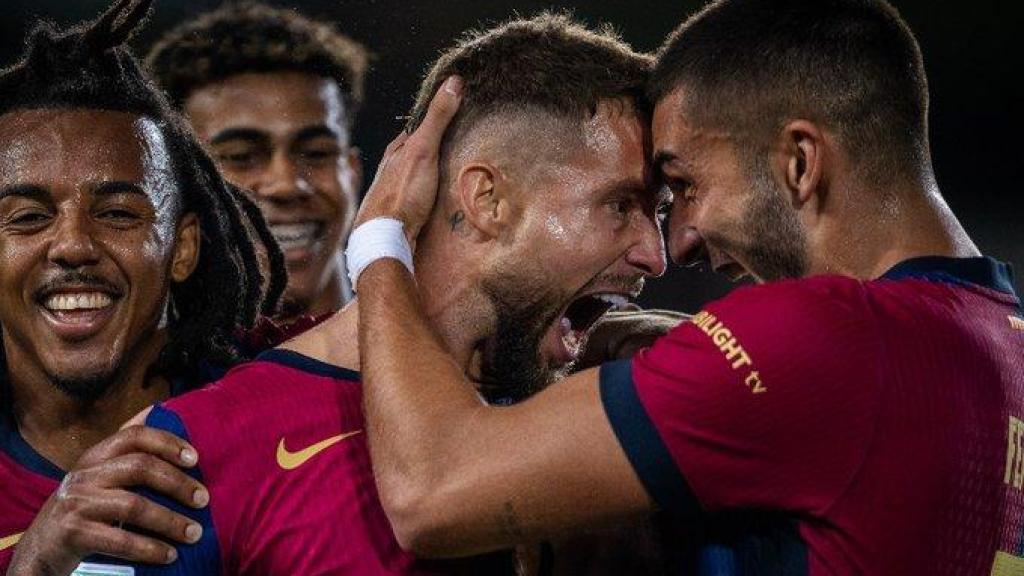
(1007, 565)
(8, 541)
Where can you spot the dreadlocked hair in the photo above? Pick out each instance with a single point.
(89, 67)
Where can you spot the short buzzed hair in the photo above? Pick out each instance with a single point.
(851, 65)
(249, 37)
(549, 63)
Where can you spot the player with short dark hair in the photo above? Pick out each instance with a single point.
(129, 268)
(864, 402)
(273, 96)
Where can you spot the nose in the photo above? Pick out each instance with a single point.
(73, 245)
(648, 252)
(283, 181)
(685, 243)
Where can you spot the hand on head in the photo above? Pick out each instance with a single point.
(405, 186)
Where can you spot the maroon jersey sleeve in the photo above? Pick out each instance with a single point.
(766, 399)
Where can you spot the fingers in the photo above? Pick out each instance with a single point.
(440, 111)
(141, 439)
(98, 494)
(113, 541)
(142, 470)
(396, 144)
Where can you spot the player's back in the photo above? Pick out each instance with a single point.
(946, 463)
(282, 449)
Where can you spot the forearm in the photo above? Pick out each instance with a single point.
(415, 391)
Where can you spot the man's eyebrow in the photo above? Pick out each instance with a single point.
(248, 134)
(30, 191)
(315, 131)
(628, 185)
(113, 187)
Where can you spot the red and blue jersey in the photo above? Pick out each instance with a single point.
(282, 449)
(835, 426)
(27, 479)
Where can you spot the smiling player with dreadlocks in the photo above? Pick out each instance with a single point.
(129, 267)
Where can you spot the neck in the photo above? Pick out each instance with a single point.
(909, 221)
(62, 427)
(452, 304)
(448, 275)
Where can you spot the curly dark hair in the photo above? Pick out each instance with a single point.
(250, 37)
(88, 67)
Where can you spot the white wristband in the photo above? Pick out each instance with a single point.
(373, 240)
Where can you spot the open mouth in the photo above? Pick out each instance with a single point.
(297, 236)
(581, 315)
(76, 313)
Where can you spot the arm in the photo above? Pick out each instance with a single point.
(457, 476)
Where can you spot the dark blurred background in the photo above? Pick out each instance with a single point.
(969, 53)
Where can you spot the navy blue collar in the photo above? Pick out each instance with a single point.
(15, 445)
(12, 442)
(981, 271)
(302, 362)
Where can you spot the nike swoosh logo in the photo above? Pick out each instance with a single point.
(291, 460)
(8, 541)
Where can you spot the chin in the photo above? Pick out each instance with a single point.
(87, 385)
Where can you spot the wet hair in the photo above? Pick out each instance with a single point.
(853, 66)
(88, 67)
(250, 37)
(548, 63)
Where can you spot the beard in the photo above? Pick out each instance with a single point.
(777, 243)
(511, 368)
(86, 387)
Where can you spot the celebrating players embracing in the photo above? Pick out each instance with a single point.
(794, 136)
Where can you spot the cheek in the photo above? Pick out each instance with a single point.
(144, 255)
(334, 201)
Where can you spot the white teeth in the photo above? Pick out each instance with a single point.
(573, 342)
(81, 301)
(613, 299)
(566, 325)
(294, 235)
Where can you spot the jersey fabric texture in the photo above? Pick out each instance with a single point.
(282, 449)
(836, 426)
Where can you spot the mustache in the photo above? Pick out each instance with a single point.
(631, 284)
(77, 279)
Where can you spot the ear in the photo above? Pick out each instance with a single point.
(186, 248)
(481, 194)
(802, 159)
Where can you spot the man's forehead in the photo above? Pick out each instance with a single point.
(275, 104)
(679, 136)
(78, 146)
